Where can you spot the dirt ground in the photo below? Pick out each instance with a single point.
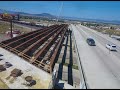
(3, 37)
(41, 77)
(3, 85)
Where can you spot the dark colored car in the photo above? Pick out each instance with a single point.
(91, 42)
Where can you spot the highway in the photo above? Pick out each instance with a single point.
(101, 66)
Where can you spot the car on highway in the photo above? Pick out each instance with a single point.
(111, 47)
(90, 42)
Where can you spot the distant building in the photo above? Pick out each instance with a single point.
(106, 27)
(5, 16)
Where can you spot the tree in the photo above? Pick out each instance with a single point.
(110, 32)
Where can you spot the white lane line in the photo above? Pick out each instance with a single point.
(110, 57)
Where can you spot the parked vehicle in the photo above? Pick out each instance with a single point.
(90, 42)
(111, 47)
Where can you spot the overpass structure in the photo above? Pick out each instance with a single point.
(39, 47)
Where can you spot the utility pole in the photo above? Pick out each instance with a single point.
(59, 13)
(8, 17)
(11, 28)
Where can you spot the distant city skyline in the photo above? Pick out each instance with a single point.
(105, 10)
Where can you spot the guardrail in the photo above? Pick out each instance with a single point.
(83, 84)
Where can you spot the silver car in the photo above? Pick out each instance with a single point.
(111, 47)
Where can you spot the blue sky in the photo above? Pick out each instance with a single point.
(106, 10)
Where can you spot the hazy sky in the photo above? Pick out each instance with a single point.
(107, 10)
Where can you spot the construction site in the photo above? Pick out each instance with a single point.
(59, 45)
(43, 58)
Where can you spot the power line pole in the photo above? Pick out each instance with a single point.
(11, 28)
(59, 13)
(8, 17)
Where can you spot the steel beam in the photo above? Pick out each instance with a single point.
(52, 60)
(31, 40)
(21, 36)
(31, 35)
(37, 47)
(40, 42)
(44, 50)
(27, 40)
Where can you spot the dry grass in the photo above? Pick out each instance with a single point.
(3, 85)
(109, 31)
(5, 26)
(112, 32)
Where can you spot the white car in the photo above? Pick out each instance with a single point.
(111, 47)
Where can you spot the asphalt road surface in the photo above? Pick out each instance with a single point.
(101, 66)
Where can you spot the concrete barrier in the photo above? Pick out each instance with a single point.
(83, 84)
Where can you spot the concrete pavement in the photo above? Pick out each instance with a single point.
(101, 67)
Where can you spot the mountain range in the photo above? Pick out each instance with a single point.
(28, 14)
(47, 15)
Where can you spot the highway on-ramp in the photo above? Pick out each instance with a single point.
(101, 66)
